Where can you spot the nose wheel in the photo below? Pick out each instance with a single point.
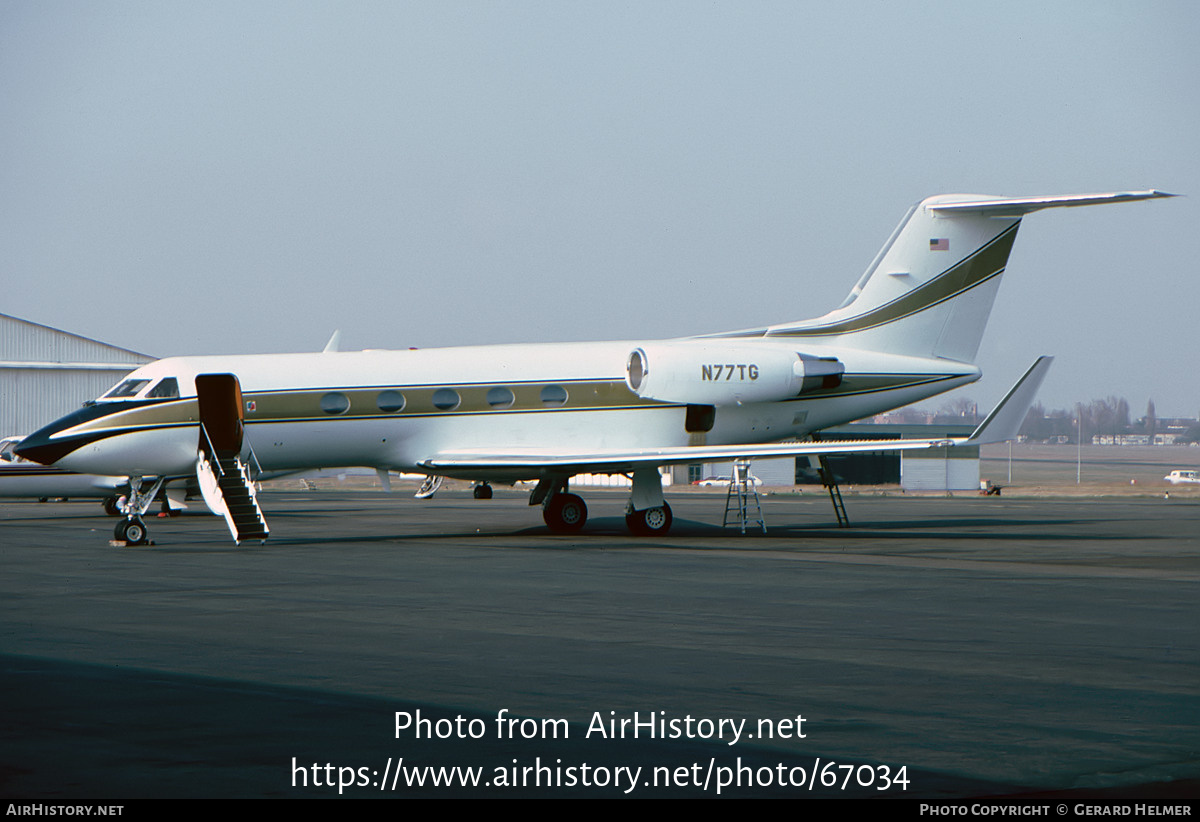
(131, 531)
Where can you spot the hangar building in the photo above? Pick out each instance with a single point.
(936, 469)
(46, 373)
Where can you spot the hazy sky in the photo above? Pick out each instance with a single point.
(184, 177)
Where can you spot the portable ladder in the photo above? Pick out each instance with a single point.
(835, 494)
(742, 494)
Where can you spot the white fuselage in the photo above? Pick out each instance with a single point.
(398, 409)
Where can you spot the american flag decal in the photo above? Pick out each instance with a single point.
(942, 244)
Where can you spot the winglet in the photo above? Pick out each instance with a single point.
(1005, 420)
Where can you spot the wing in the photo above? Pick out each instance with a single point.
(617, 461)
(1000, 425)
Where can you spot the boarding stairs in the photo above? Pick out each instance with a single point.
(228, 490)
(741, 497)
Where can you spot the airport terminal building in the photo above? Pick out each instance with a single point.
(46, 373)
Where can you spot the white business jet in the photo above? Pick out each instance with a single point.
(908, 330)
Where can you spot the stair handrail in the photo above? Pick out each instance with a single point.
(212, 449)
(254, 457)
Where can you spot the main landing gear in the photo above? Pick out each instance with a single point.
(646, 515)
(650, 522)
(565, 513)
(482, 491)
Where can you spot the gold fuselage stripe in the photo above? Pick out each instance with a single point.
(586, 395)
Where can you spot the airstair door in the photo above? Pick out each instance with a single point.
(220, 399)
(224, 479)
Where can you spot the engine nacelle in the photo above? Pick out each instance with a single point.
(717, 373)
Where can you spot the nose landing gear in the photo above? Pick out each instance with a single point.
(131, 531)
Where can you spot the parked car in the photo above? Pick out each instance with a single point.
(1182, 476)
(723, 481)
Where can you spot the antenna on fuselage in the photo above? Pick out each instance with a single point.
(334, 342)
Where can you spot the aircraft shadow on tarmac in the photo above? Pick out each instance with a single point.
(609, 533)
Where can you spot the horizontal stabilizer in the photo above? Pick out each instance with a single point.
(1019, 206)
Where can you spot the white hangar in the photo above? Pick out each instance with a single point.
(46, 373)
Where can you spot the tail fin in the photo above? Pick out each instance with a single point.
(929, 291)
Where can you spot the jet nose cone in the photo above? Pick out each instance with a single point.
(48, 446)
(37, 447)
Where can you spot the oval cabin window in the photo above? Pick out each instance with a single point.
(335, 402)
(553, 396)
(500, 397)
(446, 399)
(390, 401)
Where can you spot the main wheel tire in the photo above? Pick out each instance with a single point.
(131, 532)
(565, 514)
(650, 522)
(112, 507)
(483, 491)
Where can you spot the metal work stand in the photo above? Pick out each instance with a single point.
(742, 494)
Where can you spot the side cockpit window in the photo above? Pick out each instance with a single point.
(128, 388)
(167, 389)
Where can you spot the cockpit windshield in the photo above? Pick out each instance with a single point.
(126, 388)
(165, 389)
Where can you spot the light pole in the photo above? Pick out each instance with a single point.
(1079, 444)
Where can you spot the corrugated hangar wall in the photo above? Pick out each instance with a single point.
(45, 373)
